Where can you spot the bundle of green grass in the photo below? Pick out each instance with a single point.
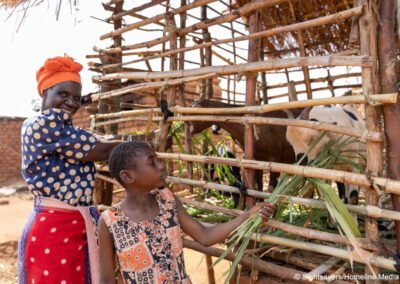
(294, 185)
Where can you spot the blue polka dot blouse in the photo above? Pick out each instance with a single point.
(52, 152)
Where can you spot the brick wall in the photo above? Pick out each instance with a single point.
(10, 149)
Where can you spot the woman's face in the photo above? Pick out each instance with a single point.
(65, 96)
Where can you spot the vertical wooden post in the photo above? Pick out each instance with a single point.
(104, 189)
(173, 42)
(374, 149)
(210, 269)
(330, 83)
(163, 44)
(292, 91)
(263, 75)
(234, 58)
(182, 43)
(208, 53)
(389, 76)
(251, 81)
(300, 42)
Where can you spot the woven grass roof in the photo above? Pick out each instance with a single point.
(318, 40)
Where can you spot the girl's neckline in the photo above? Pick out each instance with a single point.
(123, 215)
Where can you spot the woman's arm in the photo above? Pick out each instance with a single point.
(208, 236)
(101, 151)
(106, 254)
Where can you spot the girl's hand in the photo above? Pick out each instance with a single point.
(265, 209)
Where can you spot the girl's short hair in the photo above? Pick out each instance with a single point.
(123, 157)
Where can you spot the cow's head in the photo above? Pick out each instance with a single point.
(302, 138)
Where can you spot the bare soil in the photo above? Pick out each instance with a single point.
(14, 212)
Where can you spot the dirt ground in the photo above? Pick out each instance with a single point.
(14, 214)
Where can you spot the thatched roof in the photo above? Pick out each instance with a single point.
(318, 40)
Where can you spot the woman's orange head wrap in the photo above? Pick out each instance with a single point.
(57, 70)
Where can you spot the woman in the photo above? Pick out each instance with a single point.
(58, 244)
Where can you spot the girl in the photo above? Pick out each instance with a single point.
(144, 231)
(58, 244)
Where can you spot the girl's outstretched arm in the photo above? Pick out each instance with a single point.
(106, 254)
(208, 236)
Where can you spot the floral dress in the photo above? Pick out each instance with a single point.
(149, 251)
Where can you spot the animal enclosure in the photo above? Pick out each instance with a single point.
(254, 60)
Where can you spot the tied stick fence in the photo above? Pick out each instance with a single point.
(235, 51)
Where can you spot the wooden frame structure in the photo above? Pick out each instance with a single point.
(284, 37)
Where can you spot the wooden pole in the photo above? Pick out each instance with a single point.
(372, 211)
(338, 17)
(389, 76)
(161, 140)
(251, 262)
(275, 64)
(374, 136)
(136, 9)
(386, 185)
(291, 229)
(317, 80)
(374, 260)
(251, 84)
(208, 54)
(148, 86)
(113, 105)
(382, 98)
(182, 43)
(300, 42)
(155, 19)
(374, 149)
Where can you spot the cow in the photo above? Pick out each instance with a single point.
(271, 144)
(302, 138)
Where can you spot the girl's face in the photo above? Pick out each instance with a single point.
(149, 171)
(65, 96)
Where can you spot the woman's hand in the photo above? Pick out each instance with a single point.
(265, 209)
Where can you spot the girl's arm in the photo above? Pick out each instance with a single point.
(106, 254)
(208, 236)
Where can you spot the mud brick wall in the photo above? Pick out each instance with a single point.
(10, 148)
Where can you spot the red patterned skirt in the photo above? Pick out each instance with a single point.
(58, 244)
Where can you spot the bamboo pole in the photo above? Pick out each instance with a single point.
(302, 261)
(242, 11)
(369, 210)
(155, 19)
(341, 16)
(351, 86)
(149, 86)
(322, 268)
(374, 149)
(251, 262)
(317, 80)
(317, 125)
(386, 185)
(389, 76)
(382, 98)
(291, 229)
(375, 261)
(245, 67)
(136, 9)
